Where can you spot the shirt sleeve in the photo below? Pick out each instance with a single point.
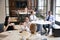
(31, 18)
(53, 19)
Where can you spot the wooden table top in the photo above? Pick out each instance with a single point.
(13, 35)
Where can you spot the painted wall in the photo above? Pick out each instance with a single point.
(2, 11)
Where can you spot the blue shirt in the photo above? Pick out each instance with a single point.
(51, 18)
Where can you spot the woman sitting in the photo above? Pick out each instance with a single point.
(34, 35)
(24, 27)
(7, 25)
(27, 22)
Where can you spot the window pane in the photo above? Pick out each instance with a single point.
(58, 10)
(42, 5)
(58, 18)
(57, 2)
(41, 2)
(42, 9)
(58, 14)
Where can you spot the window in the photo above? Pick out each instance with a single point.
(42, 7)
(58, 10)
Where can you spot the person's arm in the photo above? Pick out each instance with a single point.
(5, 28)
(53, 19)
(31, 19)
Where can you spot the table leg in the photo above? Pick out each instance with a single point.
(40, 29)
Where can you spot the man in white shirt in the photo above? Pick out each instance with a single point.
(26, 24)
(32, 16)
(50, 18)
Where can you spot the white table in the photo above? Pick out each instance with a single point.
(41, 22)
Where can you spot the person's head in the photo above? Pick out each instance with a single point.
(26, 19)
(32, 12)
(33, 28)
(49, 12)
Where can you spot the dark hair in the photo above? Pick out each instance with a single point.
(26, 17)
(22, 21)
(31, 12)
(50, 12)
(6, 21)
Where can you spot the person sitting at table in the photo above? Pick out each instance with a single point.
(32, 16)
(34, 35)
(27, 22)
(25, 27)
(50, 18)
(7, 25)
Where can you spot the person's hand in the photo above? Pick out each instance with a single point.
(12, 24)
(9, 24)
